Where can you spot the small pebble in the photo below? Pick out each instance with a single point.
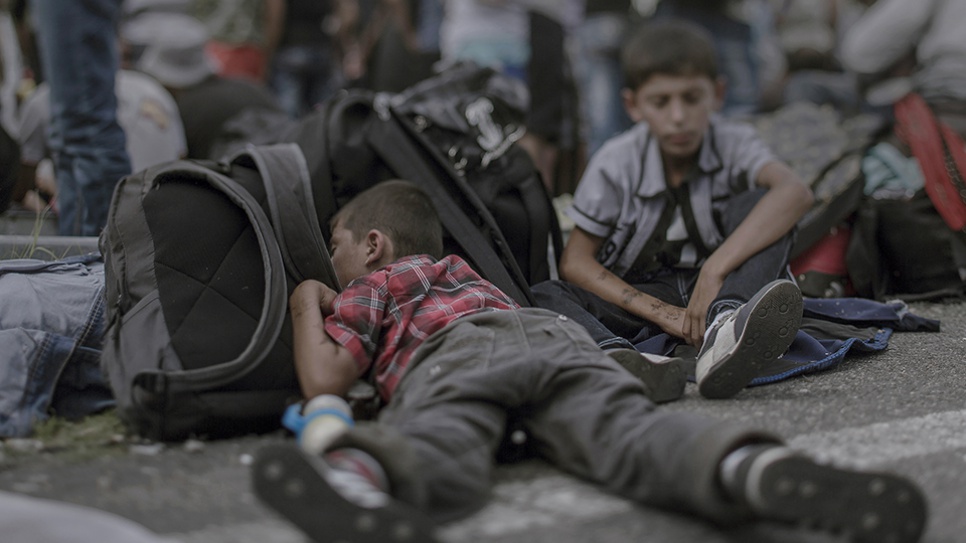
(152, 449)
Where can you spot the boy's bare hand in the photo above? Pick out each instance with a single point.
(705, 291)
(671, 319)
(311, 295)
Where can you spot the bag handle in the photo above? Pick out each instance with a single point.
(939, 151)
(288, 192)
(393, 144)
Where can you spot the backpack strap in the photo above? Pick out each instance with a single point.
(544, 228)
(288, 193)
(394, 145)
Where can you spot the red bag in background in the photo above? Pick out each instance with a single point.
(821, 271)
(941, 154)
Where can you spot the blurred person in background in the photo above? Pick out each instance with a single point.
(79, 55)
(171, 48)
(243, 35)
(306, 68)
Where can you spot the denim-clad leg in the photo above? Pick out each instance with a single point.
(51, 330)
(581, 411)
(78, 47)
(762, 268)
(304, 76)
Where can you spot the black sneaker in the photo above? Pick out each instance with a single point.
(739, 346)
(870, 507)
(333, 505)
(664, 378)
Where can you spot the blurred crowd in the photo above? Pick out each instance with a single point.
(186, 66)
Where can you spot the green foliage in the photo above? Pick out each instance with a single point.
(31, 250)
(93, 436)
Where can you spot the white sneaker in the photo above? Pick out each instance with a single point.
(739, 346)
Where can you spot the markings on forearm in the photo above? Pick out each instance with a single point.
(628, 295)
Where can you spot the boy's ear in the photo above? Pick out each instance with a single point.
(720, 88)
(630, 105)
(379, 249)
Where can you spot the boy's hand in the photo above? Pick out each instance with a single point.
(322, 365)
(705, 291)
(672, 320)
(312, 295)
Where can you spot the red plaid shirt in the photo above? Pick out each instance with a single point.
(384, 316)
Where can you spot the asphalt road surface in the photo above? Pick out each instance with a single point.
(903, 409)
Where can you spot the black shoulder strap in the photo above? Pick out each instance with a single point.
(393, 144)
(638, 271)
(291, 206)
(544, 228)
(683, 195)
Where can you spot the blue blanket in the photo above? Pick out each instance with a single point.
(831, 329)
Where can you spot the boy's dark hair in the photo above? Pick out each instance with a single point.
(669, 47)
(399, 209)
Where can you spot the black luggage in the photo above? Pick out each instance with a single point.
(200, 258)
(453, 134)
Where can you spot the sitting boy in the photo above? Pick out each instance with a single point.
(456, 361)
(682, 222)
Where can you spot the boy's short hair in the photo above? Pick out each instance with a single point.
(669, 47)
(399, 209)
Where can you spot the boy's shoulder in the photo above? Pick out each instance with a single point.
(634, 156)
(723, 132)
(720, 124)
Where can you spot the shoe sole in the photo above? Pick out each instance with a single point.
(294, 485)
(773, 322)
(663, 381)
(869, 507)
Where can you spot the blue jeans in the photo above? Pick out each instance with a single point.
(599, 78)
(51, 328)
(613, 327)
(304, 76)
(430, 18)
(78, 48)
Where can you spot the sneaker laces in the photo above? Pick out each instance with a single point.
(356, 488)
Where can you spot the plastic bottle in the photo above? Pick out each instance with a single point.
(324, 419)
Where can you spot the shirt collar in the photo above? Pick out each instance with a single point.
(652, 181)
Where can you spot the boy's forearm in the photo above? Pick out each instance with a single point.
(772, 217)
(322, 365)
(577, 267)
(618, 292)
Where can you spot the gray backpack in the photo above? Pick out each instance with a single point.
(200, 258)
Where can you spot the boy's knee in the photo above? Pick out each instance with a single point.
(738, 207)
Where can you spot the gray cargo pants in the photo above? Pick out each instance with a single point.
(581, 411)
